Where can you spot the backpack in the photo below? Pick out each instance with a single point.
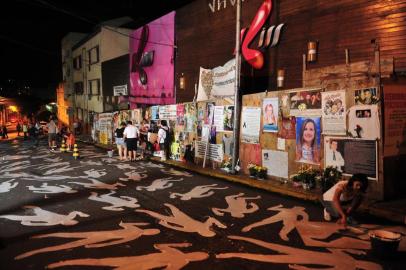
(167, 139)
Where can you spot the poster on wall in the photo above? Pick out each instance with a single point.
(215, 151)
(250, 154)
(103, 137)
(217, 82)
(305, 102)
(250, 124)
(155, 113)
(270, 111)
(136, 116)
(276, 162)
(284, 100)
(395, 120)
(180, 114)
(228, 118)
(334, 112)
(352, 155)
(105, 120)
(151, 65)
(363, 122)
(228, 144)
(308, 140)
(190, 117)
(167, 112)
(218, 118)
(366, 96)
(205, 133)
(200, 113)
(287, 129)
(208, 120)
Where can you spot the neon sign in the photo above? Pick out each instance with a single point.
(268, 37)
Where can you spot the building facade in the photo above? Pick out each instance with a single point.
(88, 55)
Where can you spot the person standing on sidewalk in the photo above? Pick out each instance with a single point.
(5, 132)
(121, 145)
(18, 128)
(51, 134)
(25, 130)
(344, 198)
(131, 135)
(163, 139)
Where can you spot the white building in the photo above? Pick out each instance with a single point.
(106, 43)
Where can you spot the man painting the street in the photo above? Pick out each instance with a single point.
(51, 134)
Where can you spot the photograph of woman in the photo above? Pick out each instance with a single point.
(270, 114)
(308, 140)
(228, 118)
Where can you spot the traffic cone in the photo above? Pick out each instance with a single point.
(63, 147)
(75, 151)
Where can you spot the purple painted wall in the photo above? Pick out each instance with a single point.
(153, 82)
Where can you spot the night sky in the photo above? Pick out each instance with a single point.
(31, 31)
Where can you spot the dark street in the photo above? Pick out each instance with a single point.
(100, 213)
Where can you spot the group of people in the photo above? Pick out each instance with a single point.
(128, 137)
(34, 130)
(30, 130)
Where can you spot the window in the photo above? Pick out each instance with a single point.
(94, 87)
(93, 55)
(77, 62)
(78, 86)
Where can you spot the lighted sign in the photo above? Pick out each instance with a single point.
(268, 37)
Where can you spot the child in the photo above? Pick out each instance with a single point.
(70, 139)
(343, 199)
(306, 150)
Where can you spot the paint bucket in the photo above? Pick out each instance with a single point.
(110, 153)
(384, 244)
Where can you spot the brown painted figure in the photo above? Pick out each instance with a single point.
(95, 239)
(168, 258)
(289, 216)
(181, 222)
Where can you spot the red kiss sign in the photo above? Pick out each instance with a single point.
(254, 56)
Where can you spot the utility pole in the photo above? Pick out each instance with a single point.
(236, 126)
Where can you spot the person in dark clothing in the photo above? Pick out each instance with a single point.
(5, 132)
(34, 132)
(19, 129)
(163, 140)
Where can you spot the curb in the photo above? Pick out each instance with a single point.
(268, 185)
(274, 186)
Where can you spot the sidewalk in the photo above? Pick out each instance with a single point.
(394, 211)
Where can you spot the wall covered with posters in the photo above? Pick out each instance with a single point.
(297, 127)
(205, 35)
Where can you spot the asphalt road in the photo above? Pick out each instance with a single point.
(100, 213)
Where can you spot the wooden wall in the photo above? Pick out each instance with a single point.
(205, 38)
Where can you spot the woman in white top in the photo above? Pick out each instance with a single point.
(341, 200)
